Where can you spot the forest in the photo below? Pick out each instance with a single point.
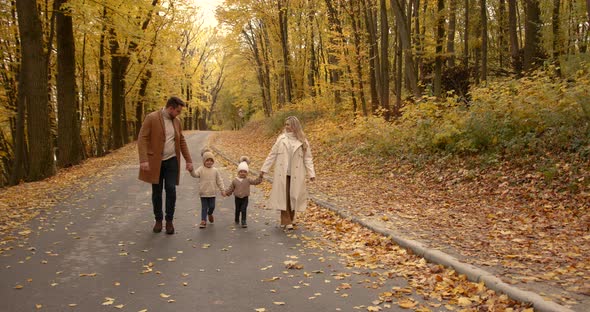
(409, 78)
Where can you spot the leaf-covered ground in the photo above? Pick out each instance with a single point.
(23, 202)
(506, 218)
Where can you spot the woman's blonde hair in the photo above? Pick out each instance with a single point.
(297, 130)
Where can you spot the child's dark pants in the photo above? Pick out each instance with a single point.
(241, 207)
(207, 207)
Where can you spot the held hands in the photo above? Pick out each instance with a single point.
(189, 167)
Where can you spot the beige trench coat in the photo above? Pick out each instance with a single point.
(150, 145)
(301, 163)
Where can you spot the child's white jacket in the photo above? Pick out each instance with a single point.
(210, 181)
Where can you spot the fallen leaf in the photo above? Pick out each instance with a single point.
(108, 301)
(464, 302)
(407, 303)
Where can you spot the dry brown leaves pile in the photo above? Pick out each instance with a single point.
(438, 286)
(502, 218)
(25, 201)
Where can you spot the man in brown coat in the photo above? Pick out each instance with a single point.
(160, 144)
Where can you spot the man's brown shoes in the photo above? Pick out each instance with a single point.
(169, 227)
(158, 226)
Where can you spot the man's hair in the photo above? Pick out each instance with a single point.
(175, 102)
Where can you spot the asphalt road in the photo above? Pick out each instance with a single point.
(95, 251)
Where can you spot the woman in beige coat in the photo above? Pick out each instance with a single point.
(292, 158)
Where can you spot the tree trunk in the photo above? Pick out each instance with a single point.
(373, 56)
(502, 33)
(532, 48)
(451, 34)
(68, 131)
(404, 32)
(399, 75)
(355, 10)
(252, 41)
(34, 91)
(283, 6)
(484, 41)
(466, 36)
(556, 35)
(335, 73)
(313, 62)
(440, 33)
(385, 60)
(19, 169)
(139, 107)
(100, 148)
(514, 46)
(119, 64)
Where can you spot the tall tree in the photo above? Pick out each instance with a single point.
(513, 34)
(283, 6)
(69, 143)
(355, 13)
(374, 70)
(451, 32)
(19, 161)
(33, 91)
(502, 32)
(484, 40)
(120, 60)
(101, 85)
(440, 32)
(556, 36)
(532, 45)
(404, 31)
(466, 35)
(385, 59)
(335, 72)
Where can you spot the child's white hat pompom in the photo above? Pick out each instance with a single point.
(245, 159)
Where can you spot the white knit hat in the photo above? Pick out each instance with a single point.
(243, 166)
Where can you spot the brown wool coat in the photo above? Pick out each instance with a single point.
(150, 145)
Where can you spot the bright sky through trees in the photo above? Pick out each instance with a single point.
(208, 7)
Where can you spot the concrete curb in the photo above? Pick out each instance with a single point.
(472, 272)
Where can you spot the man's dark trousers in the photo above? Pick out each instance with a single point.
(168, 174)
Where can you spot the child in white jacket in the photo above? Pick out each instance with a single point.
(209, 181)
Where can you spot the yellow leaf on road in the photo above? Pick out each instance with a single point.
(279, 303)
(407, 303)
(261, 310)
(464, 302)
(163, 295)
